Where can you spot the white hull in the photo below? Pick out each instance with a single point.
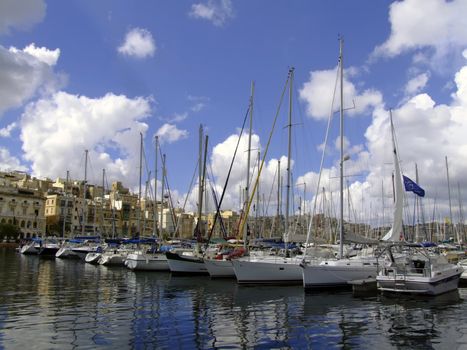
(443, 282)
(81, 252)
(66, 253)
(93, 258)
(112, 260)
(185, 264)
(219, 268)
(31, 248)
(336, 273)
(147, 262)
(268, 270)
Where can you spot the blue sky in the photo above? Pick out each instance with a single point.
(92, 75)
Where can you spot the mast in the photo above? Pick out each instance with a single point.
(247, 186)
(102, 204)
(140, 175)
(162, 195)
(461, 214)
(83, 223)
(278, 194)
(65, 211)
(289, 148)
(257, 199)
(200, 178)
(154, 227)
(450, 207)
(341, 163)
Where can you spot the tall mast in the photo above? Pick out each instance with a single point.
(257, 198)
(162, 194)
(278, 194)
(102, 204)
(289, 154)
(154, 228)
(140, 175)
(341, 163)
(247, 187)
(83, 223)
(461, 214)
(200, 177)
(65, 210)
(449, 195)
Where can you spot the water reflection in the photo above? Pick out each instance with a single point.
(68, 304)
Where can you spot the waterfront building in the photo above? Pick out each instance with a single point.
(22, 203)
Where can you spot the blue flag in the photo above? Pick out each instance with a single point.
(413, 187)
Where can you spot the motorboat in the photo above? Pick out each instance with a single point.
(413, 269)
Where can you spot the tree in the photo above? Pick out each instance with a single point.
(9, 231)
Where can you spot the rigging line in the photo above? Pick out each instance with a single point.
(269, 201)
(322, 157)
(172, 211)
(228, 175)
(250, 200)
(187, 195)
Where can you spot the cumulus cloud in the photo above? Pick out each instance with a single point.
(318, 93)
(24, 73)
(417, 83)
(20, 14)
(215, 11)
(9, 162)
(56, 130)
(6, 131)
(425, 23)
(138, 43)
(169, 133)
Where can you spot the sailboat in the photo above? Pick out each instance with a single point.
(338, 272)
(190, 261)
(411, 268)
(273, 269)
(153, 260)
(220, 265)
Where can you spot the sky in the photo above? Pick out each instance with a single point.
(86, 75)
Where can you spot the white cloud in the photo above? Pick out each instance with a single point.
(138, 43)
(318, 95)
(215, 11)
(417, 83)
(24, 73)
(55, 131)
(9, 162)
(176, 118)
(170, 133)
(6, 131)
(199, 103)
(20, 14)
(43, 54)
(425, 23)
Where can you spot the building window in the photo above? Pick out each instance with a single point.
(24, 211)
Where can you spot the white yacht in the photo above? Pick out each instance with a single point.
(31, 247)
(185, 261)
(142, 260)
(268, 269)
(411, 269)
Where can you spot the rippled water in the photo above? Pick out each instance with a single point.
(57, 304)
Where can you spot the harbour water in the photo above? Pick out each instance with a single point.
(58, 304)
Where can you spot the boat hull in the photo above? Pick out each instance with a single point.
(48, 252)
(419, 285)
(147, 262)
(185, 265)
(276, 271)
(66, 253)
(93, 258)
(112, 260)
(219, 268)
(335, 274)
(30, 249)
